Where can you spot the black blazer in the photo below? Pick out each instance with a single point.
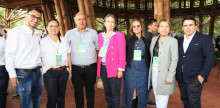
(130, 42)
(197, 60)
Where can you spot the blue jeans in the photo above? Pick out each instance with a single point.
(149, 95)
(112, 88)
(29, 88)
(3, 86)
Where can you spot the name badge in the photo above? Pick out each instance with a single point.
(102, 52)
(137, 55)
(155, 61)
(81, 48)
(58, 60)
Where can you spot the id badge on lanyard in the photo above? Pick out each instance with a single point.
(155, 61)
(81, 48)
(137, 55)
(102, 52)
(58, 60)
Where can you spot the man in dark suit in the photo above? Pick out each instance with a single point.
(196, 57)
(151, 28)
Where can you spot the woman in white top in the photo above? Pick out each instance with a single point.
(55, 54)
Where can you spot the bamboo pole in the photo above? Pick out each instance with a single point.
(158, 10)
(88, 13)
(92, 15)
(43, 6)
(59, 15)
(64, 16)
(81, 5)
(166, 10)
(201, 24)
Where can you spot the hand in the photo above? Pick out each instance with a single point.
(167, 82)
(70, 75)
(120, 74)
(201, 79)
(14, 82)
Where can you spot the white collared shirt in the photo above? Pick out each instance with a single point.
(49, 50)
(22, 49)
(2, 51)
(186, 42)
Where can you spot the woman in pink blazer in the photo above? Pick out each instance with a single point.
(112, 60)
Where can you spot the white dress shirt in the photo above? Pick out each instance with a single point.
(49, 50)
(22, 49)
(2, 51)
(186, 42)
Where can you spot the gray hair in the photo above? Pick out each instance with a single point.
(113, 16)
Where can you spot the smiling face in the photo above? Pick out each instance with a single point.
(33, 19)
(136, 27)
(153, 27)
(164, 28)
(110, 23)
(53, 28)
(189, 27)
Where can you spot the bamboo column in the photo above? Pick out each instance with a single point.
(59, 14)
(43, 6)
(50, 11)
(201, 24)
(81, 6)
(92, 15)
(166, 10)
(127, 24)
(64, 16)
(212, 20)
(88, 13)
(158, 10)
(7, 18)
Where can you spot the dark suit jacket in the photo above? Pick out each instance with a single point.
(130, 49)
(197, 60)
(149, 34)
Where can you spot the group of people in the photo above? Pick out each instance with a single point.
(142, 60)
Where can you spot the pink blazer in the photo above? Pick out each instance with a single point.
(115, 55)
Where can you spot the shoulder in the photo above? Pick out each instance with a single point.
(91, 30)
(155, 38)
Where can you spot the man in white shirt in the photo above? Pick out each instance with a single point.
(22, 56)
(3, 74)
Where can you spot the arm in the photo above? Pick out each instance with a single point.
(174, 59)
(70, 65)
(209, 57)
(122, 55)
(10, 56)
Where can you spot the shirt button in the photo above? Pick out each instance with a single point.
(111, 53)
(112, 46)
(112, 59)
(184, 56)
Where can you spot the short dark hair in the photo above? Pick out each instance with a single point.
(113, 16)
(58, 25)
(189, 18)
(36, 9)
(149, 22)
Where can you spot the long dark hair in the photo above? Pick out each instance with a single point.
(58, 25)
(113, 16)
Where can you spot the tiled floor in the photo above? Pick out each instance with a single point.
(210, 95)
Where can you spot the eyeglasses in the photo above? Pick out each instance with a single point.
(35, 17)
(53, 26)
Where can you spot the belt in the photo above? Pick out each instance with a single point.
(2, 65)
(83, 66)
(59, 69)
(28, 70)
(143, 57)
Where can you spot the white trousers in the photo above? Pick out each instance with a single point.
(161, 100)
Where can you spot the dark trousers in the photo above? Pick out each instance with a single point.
(191, 94)
(84, 76)
(112, 88)
(3, 86)
(55, 83)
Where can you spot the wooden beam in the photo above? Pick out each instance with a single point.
(12, 12)
(191, 7)
(111, 3)
(158, 10)
(43, 6)
(166, 9)
(180, 4)
(127, 24)
(116, 4)
(92, 15)
(201, 24)
(126, 5)
(104, 3)
(64, 15)
(88, 13)
(16, 20)
(59, 15)
(212, 20)
(81, 6)
(184, 3)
